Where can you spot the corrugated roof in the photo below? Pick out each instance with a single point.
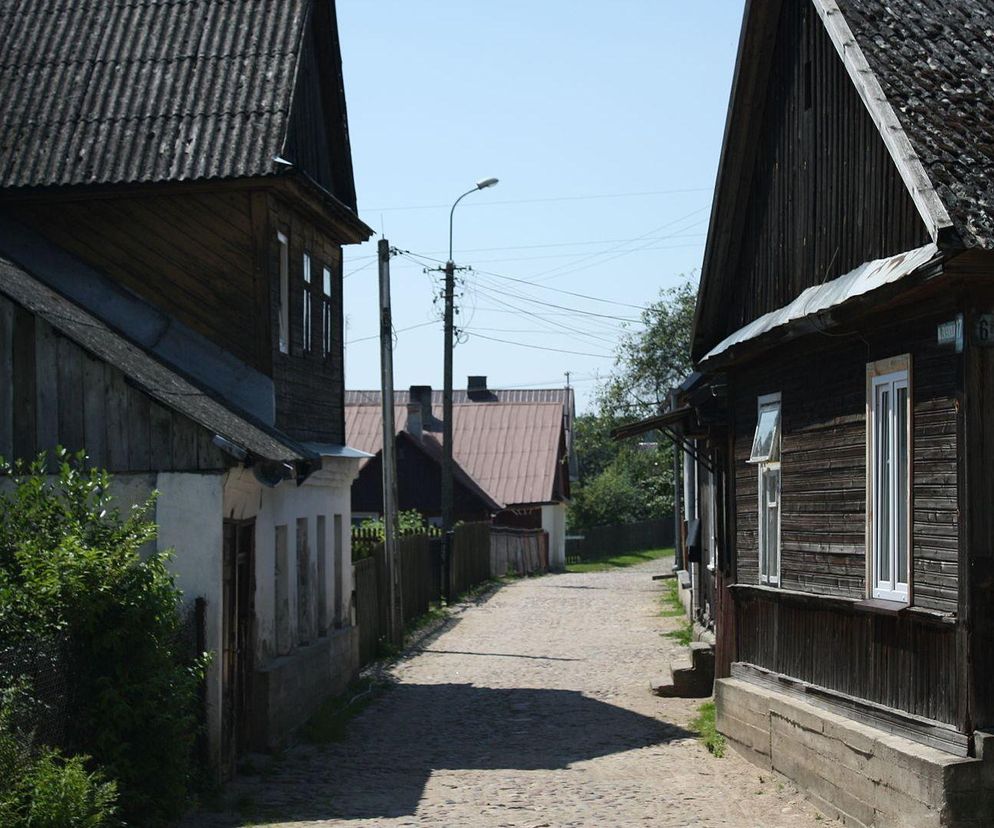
(511, 450)
(110, 91)
(460, 395)
(933, 60)
(147, 373)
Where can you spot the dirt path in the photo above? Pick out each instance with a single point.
(532, 709)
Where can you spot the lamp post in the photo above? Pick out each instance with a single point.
(447, 493)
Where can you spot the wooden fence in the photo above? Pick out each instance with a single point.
(603, 541)
(518, 551)
(421, 578)
(470, 564)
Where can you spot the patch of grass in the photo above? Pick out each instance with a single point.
(609, 562)
(683, 634)
(330, 722)
(707, 732)
(670, 600)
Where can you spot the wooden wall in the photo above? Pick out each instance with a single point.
(192, 255)
(52, 392)
(825, 196)
(310, 389)
(823, 501)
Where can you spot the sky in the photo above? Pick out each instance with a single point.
(603, 122)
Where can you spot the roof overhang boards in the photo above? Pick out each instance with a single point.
(675, 424)
(909, 165)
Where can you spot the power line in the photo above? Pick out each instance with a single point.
(396, 331)
(578, 311)
(561, 290)
(543, 200)
(539, 347)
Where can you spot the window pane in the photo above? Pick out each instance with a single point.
(327, 282)
(901, 494)
(764, 443)
(883, 456)
(771, 497)
(284, 309)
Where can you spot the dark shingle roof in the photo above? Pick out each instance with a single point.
(934, 60)
(110, 91)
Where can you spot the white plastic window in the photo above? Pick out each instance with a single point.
(766, 454)
(307, 303)
(326, 313)
(284, 309)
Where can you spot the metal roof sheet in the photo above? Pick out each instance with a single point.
(512, 450)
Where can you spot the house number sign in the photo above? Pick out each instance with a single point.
(983, 329)
(950, 333)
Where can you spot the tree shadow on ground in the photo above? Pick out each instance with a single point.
(381, 769)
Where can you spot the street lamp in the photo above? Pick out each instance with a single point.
(447, 493)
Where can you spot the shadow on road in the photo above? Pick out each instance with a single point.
(380, 771)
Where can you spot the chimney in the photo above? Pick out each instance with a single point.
(421, 395)
(415, 424)
(476, 388)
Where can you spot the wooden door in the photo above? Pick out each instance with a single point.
(238, 641)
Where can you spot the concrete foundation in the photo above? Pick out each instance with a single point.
(855, 773)
(288, 690)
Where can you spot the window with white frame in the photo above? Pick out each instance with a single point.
(888, 478)
(284, 309)
(765, 454)
(326, 313)
(306, 329)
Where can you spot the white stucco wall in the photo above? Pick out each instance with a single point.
(326, 492)
(188, 513)
(554, 522)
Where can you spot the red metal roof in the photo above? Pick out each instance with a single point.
(511, 450)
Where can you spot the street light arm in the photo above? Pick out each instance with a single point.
(452, 213)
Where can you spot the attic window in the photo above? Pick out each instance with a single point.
(766, 440)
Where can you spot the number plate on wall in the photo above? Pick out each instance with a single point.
(983, 329)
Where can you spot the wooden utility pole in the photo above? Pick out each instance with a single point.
(447, 486)
(388, 456)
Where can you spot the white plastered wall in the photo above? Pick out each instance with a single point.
(554, 522)
(326, 492)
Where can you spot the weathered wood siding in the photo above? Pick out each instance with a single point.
(823, 463)
(192, 255)
(906, 663)
(310, 389)
(53, 392)
(825, 196)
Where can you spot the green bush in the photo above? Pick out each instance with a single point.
(71, 570)
(61, 793)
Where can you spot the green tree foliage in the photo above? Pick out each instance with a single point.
(630, 480)
(76, 577)
(409, 522)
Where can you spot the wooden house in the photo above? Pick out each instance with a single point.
(175, 190)
(843, 335)
(511, 449)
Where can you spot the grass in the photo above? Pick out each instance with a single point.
(706, 730)
(609, 562)
(683, 634)
(670, 600)
(331, 721)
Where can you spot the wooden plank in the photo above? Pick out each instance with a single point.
(118, 433)
(47, 385)
(70, 400)
(184, 452)
(95, 391)
(160, 437)
(25, 386)
(6, 379)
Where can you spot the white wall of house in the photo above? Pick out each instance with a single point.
(278, 512)
(554, 522)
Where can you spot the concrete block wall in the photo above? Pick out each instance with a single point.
(863, 776)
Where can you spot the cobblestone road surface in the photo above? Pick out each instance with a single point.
(531, 709)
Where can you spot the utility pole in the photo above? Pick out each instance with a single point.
(389, 451)
(448, 507)
(678, 562)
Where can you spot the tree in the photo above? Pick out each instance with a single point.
(629, 480)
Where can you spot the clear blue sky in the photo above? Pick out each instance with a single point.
(603, 122)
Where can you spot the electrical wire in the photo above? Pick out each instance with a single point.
(538, 347)
(395, 332)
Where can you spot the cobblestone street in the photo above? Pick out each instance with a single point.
(531, 708)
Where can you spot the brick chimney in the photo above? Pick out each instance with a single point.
(415, 423)
(421, 398)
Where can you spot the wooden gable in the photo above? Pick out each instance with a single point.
(317, 140)
(818, 193)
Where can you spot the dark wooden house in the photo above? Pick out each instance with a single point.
(844, 335)
(175, 190)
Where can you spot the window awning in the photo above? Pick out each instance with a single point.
(661, 421)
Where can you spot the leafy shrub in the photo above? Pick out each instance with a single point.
(71, 569)
(409, 522)
(61, 793)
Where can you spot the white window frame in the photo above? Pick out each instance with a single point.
(326, 305)
(306, 304)
(883, 463)
(284, 308)
(769, 564)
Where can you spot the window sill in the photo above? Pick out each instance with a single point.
(881, 606)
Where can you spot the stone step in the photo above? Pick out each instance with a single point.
(690, 675)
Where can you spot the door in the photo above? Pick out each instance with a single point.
(238, 619)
